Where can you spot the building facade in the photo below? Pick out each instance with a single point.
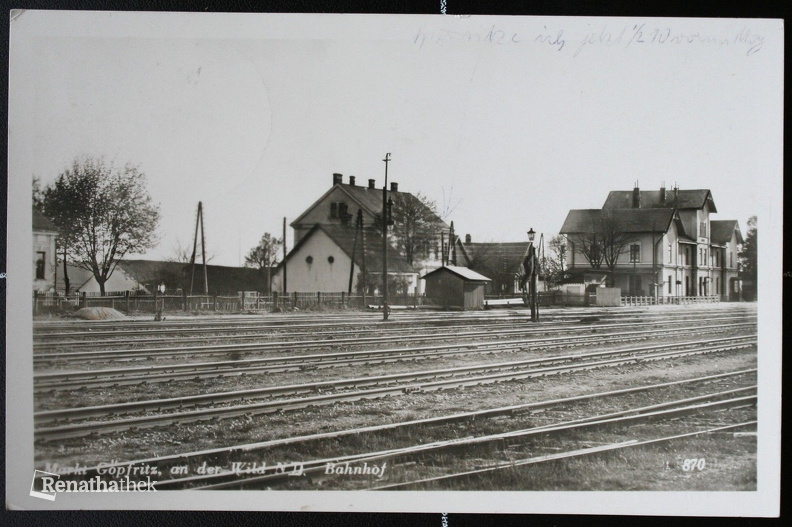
(663, 243)
(45, 260)
(336, 211)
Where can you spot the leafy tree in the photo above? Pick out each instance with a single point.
(552, 261)
(748, 259)
(104, 213)
(415, 225)
(264, 255)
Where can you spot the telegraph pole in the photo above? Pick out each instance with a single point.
(385, 242)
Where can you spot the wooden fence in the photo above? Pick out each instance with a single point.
(246, 301)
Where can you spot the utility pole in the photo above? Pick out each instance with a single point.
(199, 224)
(284, 257)
(385, 219)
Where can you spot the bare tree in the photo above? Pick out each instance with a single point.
(415, 225)
(264, 255)
(604, 242)
(104, 213)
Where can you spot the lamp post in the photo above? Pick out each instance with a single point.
(533, 279)
(386, 218)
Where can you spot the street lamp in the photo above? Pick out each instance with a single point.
(531, 271)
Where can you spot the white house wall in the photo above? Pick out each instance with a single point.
(320, 275)
(44, 242)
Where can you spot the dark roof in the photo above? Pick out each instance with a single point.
(344, 237)
(650, 199)
(41, 222)
(721, 231)
(495, 257)
(367, 198)
(463, 272)
(221, 279)
(626, 220)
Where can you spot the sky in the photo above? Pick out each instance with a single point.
(505, 122)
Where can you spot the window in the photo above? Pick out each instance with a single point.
(40, 265)
(635, 253)
(334, 210)
(670, 280)
(731, 259)
(703, 229)
(669, 254)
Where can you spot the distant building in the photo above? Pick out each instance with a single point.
(672, 246)
(45, 261)
(337, 208)
(455, 287)
(145, 276)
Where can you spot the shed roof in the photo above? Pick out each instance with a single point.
(650, 199)
(721, 231)
(580, 221)
(463, 272)
(42, 223)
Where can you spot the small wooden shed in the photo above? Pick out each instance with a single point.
(454, 287)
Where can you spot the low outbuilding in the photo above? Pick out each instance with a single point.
(454, 287)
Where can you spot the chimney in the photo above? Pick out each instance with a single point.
(394, 186)
(352, 180)
(467, 238)
(337, 178)
(371, 184)
(636, 201)
(662, 194)
(676, 192)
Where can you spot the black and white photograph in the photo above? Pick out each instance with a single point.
(416, 263)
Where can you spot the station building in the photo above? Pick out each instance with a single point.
(669, 246)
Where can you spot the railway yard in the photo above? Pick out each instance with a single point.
(650, 398)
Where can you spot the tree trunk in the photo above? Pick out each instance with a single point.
(101, 285)
(269, 279)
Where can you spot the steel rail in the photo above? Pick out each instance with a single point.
(616, 418)
(186, 457)
(81, 429)
(151, 374)
(42, 347)
(114, 327)
(566, 455)
(214, 349)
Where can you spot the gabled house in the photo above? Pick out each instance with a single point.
(45, 260)
(338, 207)
(328, 254)
(660, 243)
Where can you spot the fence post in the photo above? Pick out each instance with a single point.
(84, 299)
(318, 298)
(274, 295)
(294, 303)
(35, 302)
(155, 300)
(184, 299)
(126, 299)
(214, 302)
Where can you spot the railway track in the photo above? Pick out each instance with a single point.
(108, 377)
(745, 379)
(263, 347)
(90, 340)
(58, 424)
(48, 330)
(315, 470)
